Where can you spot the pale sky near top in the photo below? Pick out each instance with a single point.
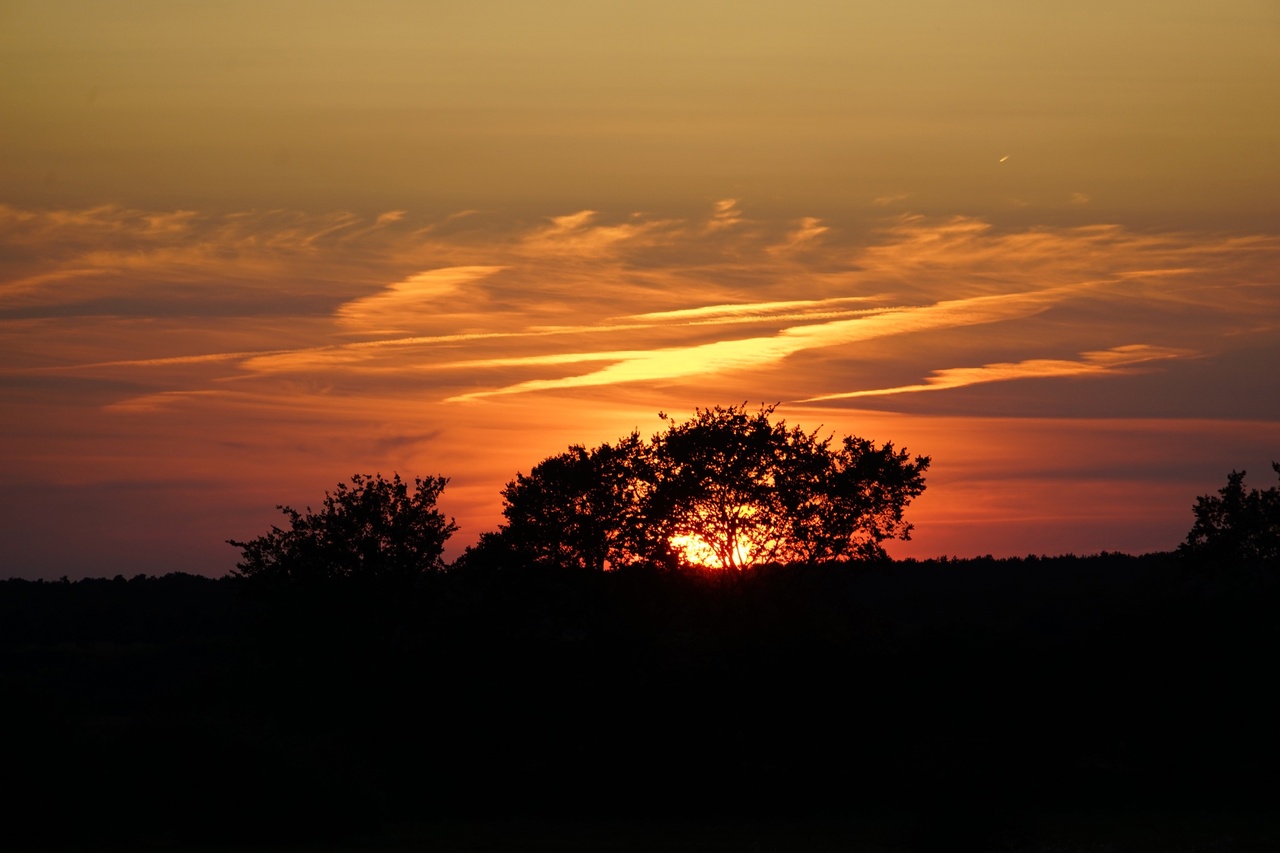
(1163, 111)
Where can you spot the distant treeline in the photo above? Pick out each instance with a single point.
(958, 693)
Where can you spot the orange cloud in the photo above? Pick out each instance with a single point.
(722, 356)
(727, 214)
(402, 306)
(811, 228)
(1109, 361)
(537, 299)
(748, 309)
(577, 235)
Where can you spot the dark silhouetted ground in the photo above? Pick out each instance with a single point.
(1100, 703)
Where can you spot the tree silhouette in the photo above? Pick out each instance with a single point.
(726, 488)
(842, 503)
(721, 484)
(1236, 526)
(579, 508)
(373, 529)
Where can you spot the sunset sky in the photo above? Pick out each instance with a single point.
(248, 249)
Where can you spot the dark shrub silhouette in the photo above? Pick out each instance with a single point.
(373, 530)
(1235, 526)
(726, 488)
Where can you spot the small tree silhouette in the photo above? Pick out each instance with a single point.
(373, 529)
(1236, 526)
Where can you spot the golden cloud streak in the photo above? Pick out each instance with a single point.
(1097, 363)
(738, 309)
(722, 356)
(338, 355)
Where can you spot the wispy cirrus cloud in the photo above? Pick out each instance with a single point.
(748, 309)
(633, 301)
(581, 235)
(802, 238)
(337, 356)
(727, 214)
(1115, 360)
(114, 261)
(710, 359)
(400, 307)
(971, 256)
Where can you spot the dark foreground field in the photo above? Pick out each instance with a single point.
(1101, 703)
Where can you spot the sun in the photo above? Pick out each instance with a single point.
(696, 551)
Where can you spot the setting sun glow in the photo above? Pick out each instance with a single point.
(696, 551)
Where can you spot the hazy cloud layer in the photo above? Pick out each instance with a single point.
(247, 346)
(568, 290)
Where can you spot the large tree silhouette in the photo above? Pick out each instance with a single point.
(727, 488)
(373, 529)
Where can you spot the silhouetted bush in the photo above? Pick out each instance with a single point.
(373, 531)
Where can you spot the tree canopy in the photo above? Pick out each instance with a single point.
(1235, 525)
(372, 529)
(728, 488)
(581, 507)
